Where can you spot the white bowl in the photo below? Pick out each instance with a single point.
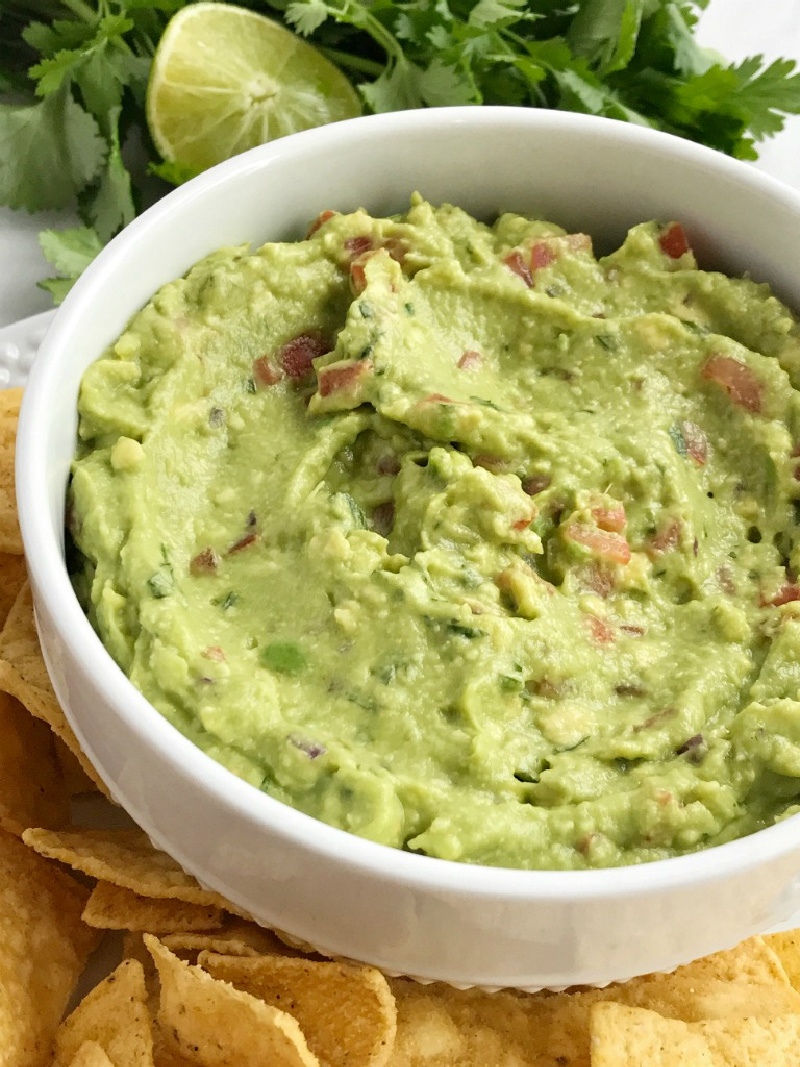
(405, 913)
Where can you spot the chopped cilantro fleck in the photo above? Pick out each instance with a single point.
(283, 657)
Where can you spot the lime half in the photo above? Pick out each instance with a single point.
(225, 79)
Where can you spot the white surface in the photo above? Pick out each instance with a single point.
(736, 28)
(348, 896)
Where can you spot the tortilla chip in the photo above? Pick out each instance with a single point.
(13, 575)
(236, 938)
(770, 1041)
(75, 777)
(543, 1030)
(165, 1052)
(110, 907)
(786, 946)
(32, 788)
(10, 536)
(43, 949)
(90, 1054)
(220, 1026)
(24, 675)
(346, 1011)
(623, 1035)
(115, 1016)
(126, 858)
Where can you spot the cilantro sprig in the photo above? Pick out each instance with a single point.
(73, 131)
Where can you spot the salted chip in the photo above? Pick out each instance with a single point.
(542, 1030)
(75, 777)
(23, 674)
(90, 1054)
(346, 1011)
(786, 946)
(43, 950)
(32, 787)
(115, 1016)
(236, 938)
(111, 907)
(125, 858)
(10, 536)
(13, 575)
(623, 1035)
(222, 1026)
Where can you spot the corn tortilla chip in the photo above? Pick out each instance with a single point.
(346, 1011)
(111, 907)
(236, 938)
(115, 1016)
(219, 1026)
(13, 575)
(75, 777)
(786, 946)
(10, 536)
(126, 858)
(43, 949)
(32, 788)
(24, 675)
(165, 1050)
(768, 1041)
(623, 1035)
(545, 1031)
(90, 1054)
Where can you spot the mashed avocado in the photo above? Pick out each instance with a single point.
(459, 538)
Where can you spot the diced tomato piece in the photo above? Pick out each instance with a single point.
(673, 241)
(388, 465)
(632, 630)
(383, 518)
(320, 220)
(666, 539)
(265, 373)
(470, 359)
(438, 398)
(612, 519)
(489, 462)
(522, 523)
(297, 356)
(243, 542)
(357, 246)
(517, 264)
(696, 442)
(205, 562)
(601, 630)
(333, 379)
(601, 543)
(542, 255)
(597, 577)
(214, 652)
(396, 248)
(787, 593)
(537, 483)
(738, 381)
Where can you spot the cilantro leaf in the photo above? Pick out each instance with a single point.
(397, 89)
(48, 151)
(444, 86)
(70, 251)
(307, 15)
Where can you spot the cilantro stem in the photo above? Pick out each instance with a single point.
(360, 63)
(82, 10)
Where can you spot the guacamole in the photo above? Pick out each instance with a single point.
(459, 538)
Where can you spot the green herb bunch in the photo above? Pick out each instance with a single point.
(74, 74)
